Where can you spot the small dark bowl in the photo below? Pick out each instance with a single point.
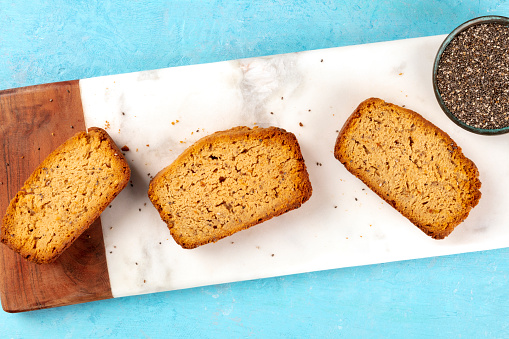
(481, 20)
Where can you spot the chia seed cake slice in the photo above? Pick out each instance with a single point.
(411, 164)
(64, 195)
(229, 181)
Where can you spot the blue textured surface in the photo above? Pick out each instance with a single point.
(456, 296)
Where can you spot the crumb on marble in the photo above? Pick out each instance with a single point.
(148, 145)
(321, 60)
(335, 206)
(125, 148)
(106, 124)
(318, 163)
(282, 98)
(139, 209)
(301, 124)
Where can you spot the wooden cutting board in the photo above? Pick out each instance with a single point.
(34, 121)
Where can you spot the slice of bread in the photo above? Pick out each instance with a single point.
(411, 164)
(229, 181)
(64, 195)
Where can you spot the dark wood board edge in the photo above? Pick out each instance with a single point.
(33, 122)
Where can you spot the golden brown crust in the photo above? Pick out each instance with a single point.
(14, 222)
(266, 136)
(423, 173)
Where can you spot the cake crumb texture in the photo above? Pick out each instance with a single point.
(229, 181)
(64, 195)
(411, 164)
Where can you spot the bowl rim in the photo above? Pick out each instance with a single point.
(472, 22)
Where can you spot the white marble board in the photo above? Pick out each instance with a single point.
(159, 113)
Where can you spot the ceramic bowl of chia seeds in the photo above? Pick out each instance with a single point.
(471, 75)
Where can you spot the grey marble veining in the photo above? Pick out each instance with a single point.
(159, 113)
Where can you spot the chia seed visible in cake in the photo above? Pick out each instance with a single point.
(473, 76)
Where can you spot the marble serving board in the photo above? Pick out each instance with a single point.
(159, 113)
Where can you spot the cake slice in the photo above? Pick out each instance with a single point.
(229, 181)
(411, 164)
(64, 195)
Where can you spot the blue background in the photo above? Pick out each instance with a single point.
(455, 296)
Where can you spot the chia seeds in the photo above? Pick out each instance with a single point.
(473, 76)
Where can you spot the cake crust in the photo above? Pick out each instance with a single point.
(411, 164)
(229, 181)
